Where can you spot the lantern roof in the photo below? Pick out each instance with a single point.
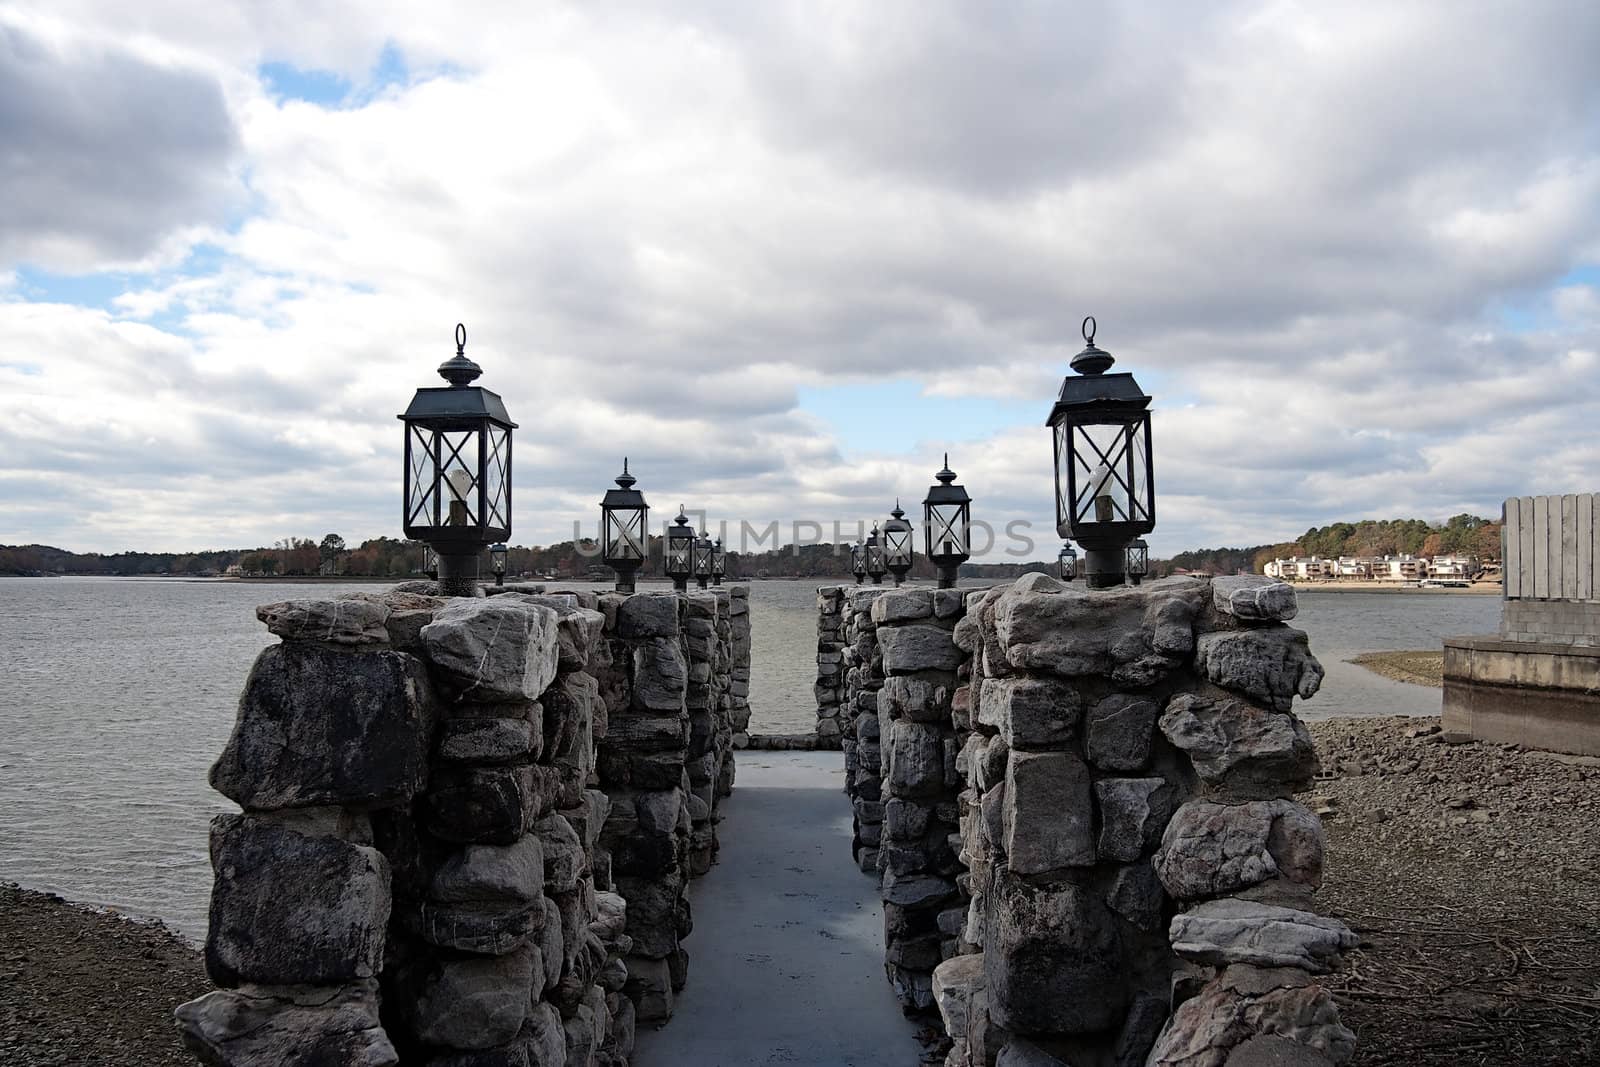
(680, 525)
(1093, 391)
(946, 492)
(898, 518)
(460, 400)
(625, 496)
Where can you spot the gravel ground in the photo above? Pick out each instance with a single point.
(89, 989)
(1471, 873)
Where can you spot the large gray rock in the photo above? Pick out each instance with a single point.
(1049, 821)
(1221, 932)
(1133, 812)
(475, 1003)
(1052, 959)
(1210, 849)
(546, 1037)
(902, 605)
(493, 649)
(1254, 598)
(564, 859)
(1133, 635)
(956, 982)
(290, 909)
(479, 741)
(1120, 728)
(1135, 894)
(318, 726)
(1271, 664)
(577, 628)
(660, 675)
(1031, 712)
(485, 805)
(918, 698)
(907, 649)
(482, 928)
(286, 1027)
(509, 874)
(339, 622)
(914, 759)
(1247, 1002)
(645, 615)
(1246, 751)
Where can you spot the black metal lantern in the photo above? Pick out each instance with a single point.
(1067, 563)
(497, 562)
(457, 490)
(946, 524)
(430, 561)
(858, 561)
(624, 522)
(897, 538)
(874, 555)
(719, 562)
(1137, 560)
(1105, 483)
(703, 550)
(680, 551)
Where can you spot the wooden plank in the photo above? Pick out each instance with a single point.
(1510, 546)
(1586, 546)
(1541, 547)
(1553, 552)
(1569, 547)
(1528, 557)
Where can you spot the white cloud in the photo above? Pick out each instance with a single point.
(1298, 227)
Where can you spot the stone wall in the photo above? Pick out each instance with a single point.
(1141, 879)
(466, 826)
(923, 908)
(830, 686)
(862, 663)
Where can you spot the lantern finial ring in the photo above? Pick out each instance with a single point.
(1088, 328)
(461, 338)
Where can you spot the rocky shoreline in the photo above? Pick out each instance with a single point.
(1423, 667)
(1469, 871)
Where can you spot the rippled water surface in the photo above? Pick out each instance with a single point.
(116, 695)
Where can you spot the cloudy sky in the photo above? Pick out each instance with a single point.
(784, 255)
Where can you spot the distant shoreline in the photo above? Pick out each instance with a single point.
(1477, 589)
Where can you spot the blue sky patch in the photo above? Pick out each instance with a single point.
(894, 416)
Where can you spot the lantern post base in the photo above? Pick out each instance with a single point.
(948, 574)
(458, 574)
(625, 579)
(861, 579)
(1104, 568)
(680, 585)
(701, 582)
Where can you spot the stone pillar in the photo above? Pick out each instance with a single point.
(922, 911)
(858, 719)
(829, 688)
(1141, 880)
(414, 776)
(739, 679)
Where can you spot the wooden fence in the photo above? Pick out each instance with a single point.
(1551, 547)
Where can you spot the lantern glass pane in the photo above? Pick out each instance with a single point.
(456, 478)
(947, 529)
(678, 556)
(497, 481)
(702, 558)
(874, 558)
(623, 536)
(1110, 467)
(420, 510)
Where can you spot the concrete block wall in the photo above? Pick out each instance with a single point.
(1570, 622)
(466, 825)
(1141, 880)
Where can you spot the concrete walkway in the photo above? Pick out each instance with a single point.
(786, 958)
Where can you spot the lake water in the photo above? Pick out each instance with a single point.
(116, 695)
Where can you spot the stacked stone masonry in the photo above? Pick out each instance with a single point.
(466, 826)
(862, 675)
(1104, 779)
(830, 687)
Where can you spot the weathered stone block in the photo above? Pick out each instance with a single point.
(1245, 1002)
(902, 605)
(908, 649)
(261, 1028)
(1133, 812)
(1049, 822)
(483, 741)
(1254, 598)
(1052, 959)
(510, 874)
(919, 698)
(564, 859)
(1120, 728)
(646, 615)
(1209, 849)
(1135, 894)
(493, 649)
(289, 909)
(488, 805)
(1272, 664)
(660, 675)
(1244, 750)
(338, 622)
(915, 759)
(1221, 932)
(476, 1002)
(1031, 712)
(318, 726)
